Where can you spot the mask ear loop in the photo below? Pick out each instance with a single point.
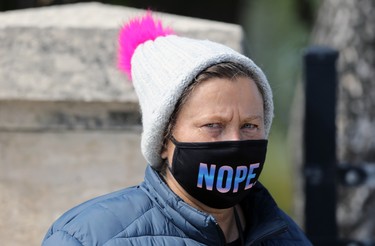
(174, 141)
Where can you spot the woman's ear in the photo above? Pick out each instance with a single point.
(164, 153)
(167, 150)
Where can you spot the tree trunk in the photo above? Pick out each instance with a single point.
(349, 26)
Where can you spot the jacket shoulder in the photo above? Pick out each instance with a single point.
(101, 218)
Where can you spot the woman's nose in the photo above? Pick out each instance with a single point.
(232, 134)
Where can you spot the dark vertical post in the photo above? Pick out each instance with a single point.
(320, 145)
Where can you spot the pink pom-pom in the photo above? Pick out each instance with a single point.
(134, 33)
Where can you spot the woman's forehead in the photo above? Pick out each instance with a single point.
(221, 95)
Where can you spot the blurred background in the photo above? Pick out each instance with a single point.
(275, 35)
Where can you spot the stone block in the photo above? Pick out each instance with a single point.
(68, 52)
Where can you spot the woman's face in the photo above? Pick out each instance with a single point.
(220, 110)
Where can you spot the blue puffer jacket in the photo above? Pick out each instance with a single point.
(151, 214)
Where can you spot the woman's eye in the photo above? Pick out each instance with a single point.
(213, 125)
(249, 126)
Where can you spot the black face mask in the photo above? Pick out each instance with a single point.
(218, 174)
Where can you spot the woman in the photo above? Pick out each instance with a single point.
(206, 115)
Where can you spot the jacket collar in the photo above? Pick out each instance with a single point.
(262, 213)
(193, 223)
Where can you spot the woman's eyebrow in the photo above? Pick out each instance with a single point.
(254, 117)
(219, 117)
